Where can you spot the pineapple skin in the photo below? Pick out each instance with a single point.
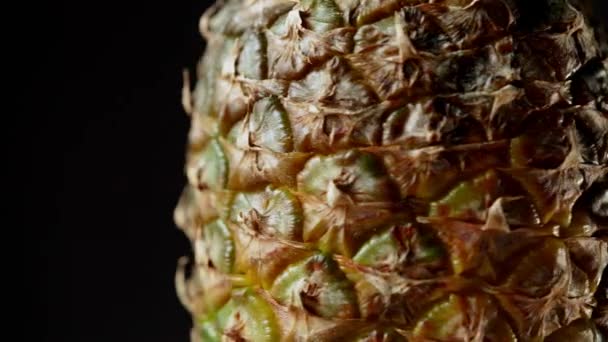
(397, 170)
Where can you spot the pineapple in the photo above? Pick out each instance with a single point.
(397, 170)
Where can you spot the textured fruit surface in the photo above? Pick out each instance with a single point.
(397, 170)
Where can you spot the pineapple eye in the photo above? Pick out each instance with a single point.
(252, 62)
(370, 11)
(321, 15)
(211, 168)
(279, 211)
(369, 184)
(219, 245)
(408, 249)
(541, 269)
(379, 250)
(579, 330)
(538, 148)
(447, 320)
(443, 320)
(317, 285)
(267, 127)
(246, 317)
(469, 199)
(284, 214)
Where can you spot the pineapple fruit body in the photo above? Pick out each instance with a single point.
(397, 170)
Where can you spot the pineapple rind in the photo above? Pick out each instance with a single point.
(400, 170)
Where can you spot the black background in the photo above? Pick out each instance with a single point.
(105, 136)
